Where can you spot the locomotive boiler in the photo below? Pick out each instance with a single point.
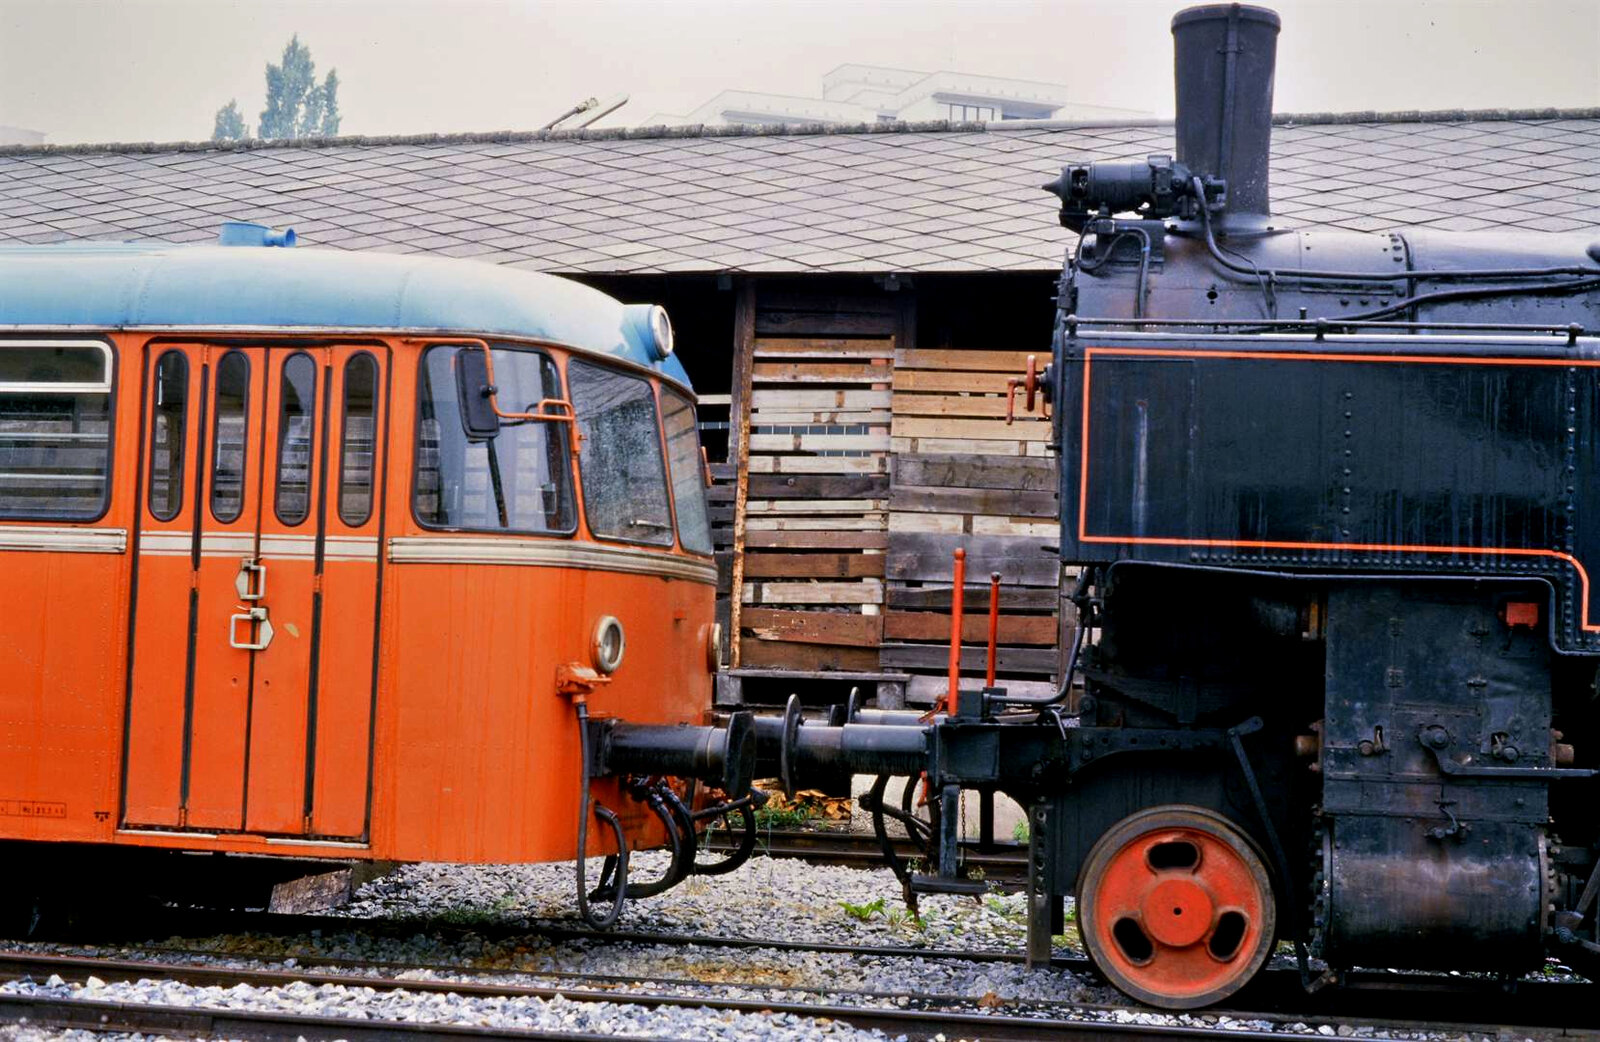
(1326, 508)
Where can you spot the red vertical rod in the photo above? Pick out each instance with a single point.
(994, 625)
(956, 598)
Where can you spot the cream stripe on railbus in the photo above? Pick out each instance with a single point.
(547, 554)
(63, 539)
(230, 544)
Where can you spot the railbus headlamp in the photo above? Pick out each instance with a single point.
(609, 644)
(660, 332)
(714, 647)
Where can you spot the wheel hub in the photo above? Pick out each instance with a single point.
(1177, 912)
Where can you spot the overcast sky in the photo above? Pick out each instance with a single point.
(157, 70)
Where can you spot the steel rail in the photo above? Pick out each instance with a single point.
(179, 923)
(256, 1025)
(1364, 993)
(912, 1023)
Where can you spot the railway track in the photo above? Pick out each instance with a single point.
(946, 1016)
(1370, 994)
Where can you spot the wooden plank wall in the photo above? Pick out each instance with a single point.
(817, 496)
(962, 478)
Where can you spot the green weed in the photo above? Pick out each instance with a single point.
(863, 912)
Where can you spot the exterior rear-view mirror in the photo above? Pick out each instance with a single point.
(476, 392)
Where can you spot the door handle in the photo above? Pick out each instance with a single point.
(251, 591)
(256, 615)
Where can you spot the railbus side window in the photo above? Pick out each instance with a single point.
(358, 441)
(55, 430)
(624, 476)
(688, 472)
(167, 428)
(519, 480)
(296, 434)
(228, 437)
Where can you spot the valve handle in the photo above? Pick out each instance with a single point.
(1030, 386)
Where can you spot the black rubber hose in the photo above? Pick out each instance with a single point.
(586, 806)
(741, 854)
(676, 870)
(1468, 293)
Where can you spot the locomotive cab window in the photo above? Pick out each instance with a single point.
(518, 479)
(688, 472)
(55, 429)
(624, 479)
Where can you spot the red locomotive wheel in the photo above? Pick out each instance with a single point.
(1175, 907)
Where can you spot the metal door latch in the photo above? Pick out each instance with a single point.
(256, 616)
(251, 581)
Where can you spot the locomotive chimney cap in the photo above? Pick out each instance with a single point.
(1245, 12)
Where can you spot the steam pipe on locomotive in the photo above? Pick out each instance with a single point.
(1385, 699)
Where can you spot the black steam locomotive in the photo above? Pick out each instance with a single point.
(1330, 501)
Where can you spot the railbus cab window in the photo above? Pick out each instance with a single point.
(358, 442)
(517, 481)
(55, 429)
(688, 472)
(296, 435)
(167, 435)
(624, 479)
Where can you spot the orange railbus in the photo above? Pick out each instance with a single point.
(348, 556)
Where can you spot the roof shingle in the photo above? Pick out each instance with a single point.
(960, 197)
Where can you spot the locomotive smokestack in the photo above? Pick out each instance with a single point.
(1224, 56)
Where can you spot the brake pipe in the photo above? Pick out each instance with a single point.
(957, 596)
(994, 626)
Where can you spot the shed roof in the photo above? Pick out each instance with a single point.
(880, 198)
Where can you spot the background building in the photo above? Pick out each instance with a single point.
(853, 94)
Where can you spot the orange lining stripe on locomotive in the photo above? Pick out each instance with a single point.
(1259, 544)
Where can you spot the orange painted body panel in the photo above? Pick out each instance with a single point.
(62, 617)
(418, 704)
(63, 658)
(483, 756)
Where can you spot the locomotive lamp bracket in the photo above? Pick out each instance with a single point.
(574, 679)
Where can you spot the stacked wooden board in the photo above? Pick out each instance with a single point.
(817, 499)
(963, 478)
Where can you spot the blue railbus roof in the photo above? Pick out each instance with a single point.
(113, 286)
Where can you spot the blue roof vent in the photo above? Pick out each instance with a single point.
(246, 233)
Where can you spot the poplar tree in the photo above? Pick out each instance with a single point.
(230, 125)
(297, 105)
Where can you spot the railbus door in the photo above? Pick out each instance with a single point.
(251, 683)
